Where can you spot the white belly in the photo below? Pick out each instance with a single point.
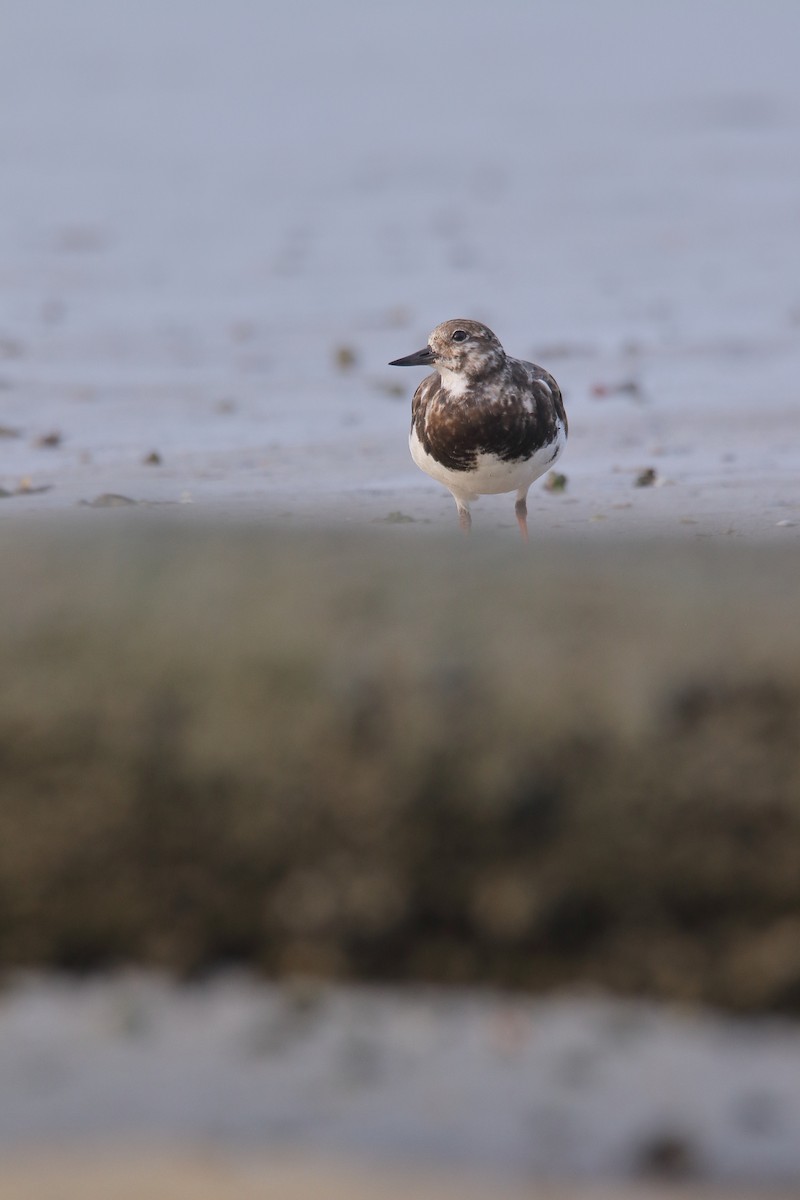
(490, 475)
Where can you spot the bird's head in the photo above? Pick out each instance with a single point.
(459, 348)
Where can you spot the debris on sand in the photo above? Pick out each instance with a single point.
(49, 441)
(624, 387)
(395, 518)
(27, 488)
(345, 358)
(24, 488)
(109, 500)
(646, 478)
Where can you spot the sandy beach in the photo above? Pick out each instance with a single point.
(190, 273)
(214, 1177)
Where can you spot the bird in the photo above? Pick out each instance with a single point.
(483, 423)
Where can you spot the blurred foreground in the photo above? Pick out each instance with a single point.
(367, 758)
(449, 762)
(214, 1177)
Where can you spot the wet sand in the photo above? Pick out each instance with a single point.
(189, 275)
(159, 1176)
(73, 1176)
(575, 1085)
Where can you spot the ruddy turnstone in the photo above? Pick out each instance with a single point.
(484, 422)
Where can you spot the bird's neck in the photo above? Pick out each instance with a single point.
(458, 383)
(455, 383)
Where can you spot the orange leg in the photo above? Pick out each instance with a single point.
(521, 509)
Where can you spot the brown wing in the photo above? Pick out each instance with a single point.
(539, 375)
(511, 418)
(426, 390)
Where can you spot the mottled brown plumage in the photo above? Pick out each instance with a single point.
(492, 419)
(483, 422)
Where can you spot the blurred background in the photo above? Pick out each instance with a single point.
(322, 835)
(218, 226)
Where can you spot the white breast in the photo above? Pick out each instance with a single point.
(455, 383)
(490, 475)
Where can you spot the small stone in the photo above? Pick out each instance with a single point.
(623, 387)
(646, 478)
(555, 482)
(109, 500)
(49, 441)
(27, 487)
(396, 518)
(345, 358)
(668, 1155)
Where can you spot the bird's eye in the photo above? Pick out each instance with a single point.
(459, 336)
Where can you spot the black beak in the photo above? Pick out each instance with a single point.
(421, 359)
